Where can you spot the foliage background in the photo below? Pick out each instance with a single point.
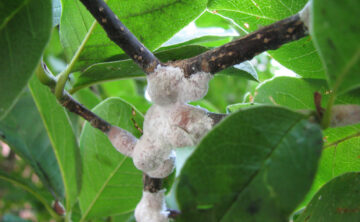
(55, 155)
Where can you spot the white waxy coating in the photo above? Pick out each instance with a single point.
(165, 128)
(151, 208)
(168, 85)
(305, 15)
(122, 140)
(344, 115)
(171, 123)
(168, 124)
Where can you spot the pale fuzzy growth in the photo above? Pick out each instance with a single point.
(170, 123)
(168, 85)
(152, 208)
(122, 140)
(153, 157)
(344, 115)
(193, 121)
(165, 128)
(305, 14)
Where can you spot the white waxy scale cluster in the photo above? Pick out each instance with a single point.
(344, 115)
(168, 124)
(152, 207)
(122, 140)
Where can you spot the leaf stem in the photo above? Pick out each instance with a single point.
(63, 76)
(325, 122)
(327, 116)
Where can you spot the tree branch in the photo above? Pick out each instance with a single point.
(216, 117)
(268, 38)
(153, 185)
(122, 36)
(45, 76)
(74, 106)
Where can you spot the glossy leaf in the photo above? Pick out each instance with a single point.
(257, 165)
(336, 34)
(298, 93)
(26, 135)
(148, 20)
(24, 32)
(292, 92)
(62, 138)
(299, 56)
(337, 201)
(336, 160)
(111, 183)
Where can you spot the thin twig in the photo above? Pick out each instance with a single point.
(153, 185)
(47, 78)
(216, 117)
(268, 38)
(74, 106)
(119, 34)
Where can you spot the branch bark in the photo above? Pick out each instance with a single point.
(46, 77)
(268, 38)
(74, 106)
(122, 36)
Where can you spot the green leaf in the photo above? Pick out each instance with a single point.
(337, 159)
(111, 183)
(61, 136)
(26, 135)
(28, 188)
(337, 38)
(128, 93)
(87, 97)
(291, 92)
(337, 201)
(208, 19)
(256, 165)
(299, 56)
(8, 10)
(24, 32)
(225, 90)
(298, 93)
(152, 22)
